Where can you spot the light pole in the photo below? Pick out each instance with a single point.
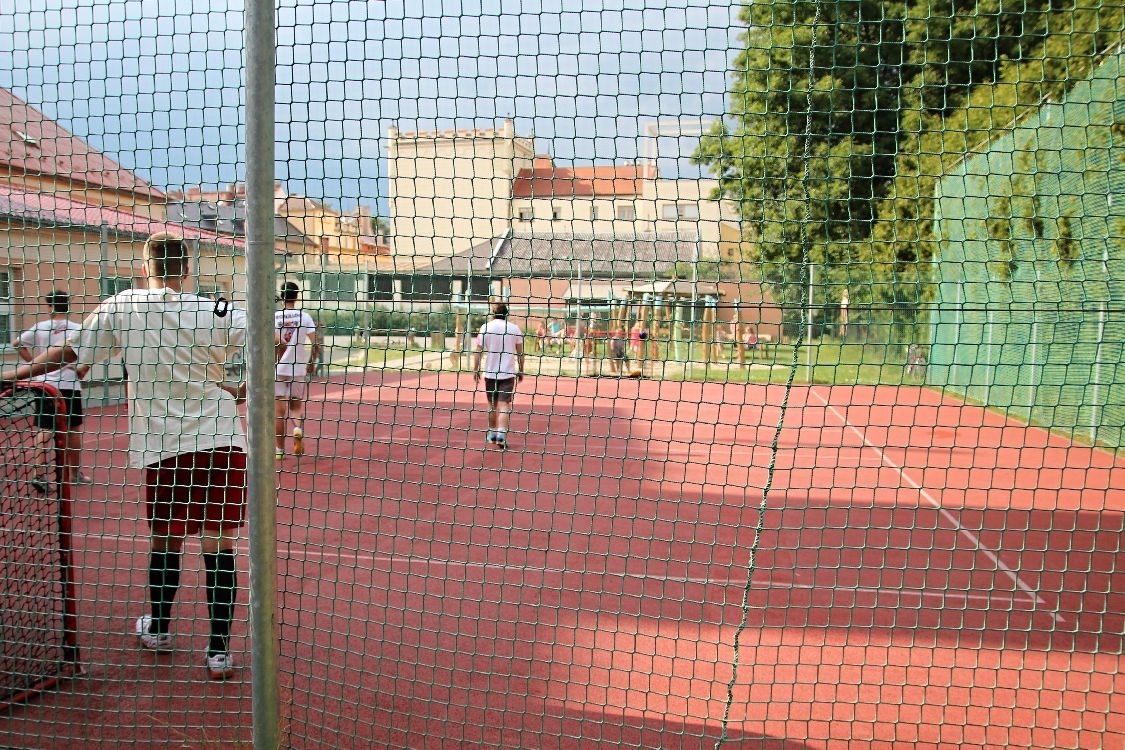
(694, 303)
(579, 333)
(808, 352)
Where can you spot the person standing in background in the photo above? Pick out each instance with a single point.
(68, 380)
(296, 331)
(185, 431)
(500, 350)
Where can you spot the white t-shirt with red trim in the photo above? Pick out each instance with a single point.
(43, 336)
(296, 329)
(174, 347)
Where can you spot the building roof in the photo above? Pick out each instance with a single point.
(559, 256)
(545, 180)
(32, 143)
(49, 210)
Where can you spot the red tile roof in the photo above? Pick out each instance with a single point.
(545, 181)
(50, 210)
(34, 144)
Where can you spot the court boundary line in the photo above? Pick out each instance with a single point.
(929, 498)
(192, 545)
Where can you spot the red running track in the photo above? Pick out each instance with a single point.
(929, 575)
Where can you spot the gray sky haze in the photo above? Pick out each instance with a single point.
(162, 94)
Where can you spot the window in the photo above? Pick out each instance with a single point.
(526, 214)
(680, 211)
(594, 212)
(626, 212)
(556, 213)
(111, 285)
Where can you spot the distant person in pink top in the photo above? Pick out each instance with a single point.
(499, 357)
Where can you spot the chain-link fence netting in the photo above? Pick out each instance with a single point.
(671, 374)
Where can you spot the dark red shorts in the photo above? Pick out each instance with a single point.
(194, 491)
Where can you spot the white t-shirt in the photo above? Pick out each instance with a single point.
(296, 328)
(174, 348)
(41, 337)
(498, 340)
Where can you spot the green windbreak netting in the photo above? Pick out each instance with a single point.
(667, 374)
(1028, 269)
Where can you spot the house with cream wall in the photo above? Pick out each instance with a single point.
(451, 190)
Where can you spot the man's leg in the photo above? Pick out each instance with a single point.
(224, 510)
(503, 412)
(222, 585)
(72, 455)
(280, 422)
(297, 414)
(163, 579)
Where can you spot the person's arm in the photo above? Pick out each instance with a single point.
(55, 358)
(314, 344)
(476, 363)
(24, 352)
(519, 357)
(238, 391)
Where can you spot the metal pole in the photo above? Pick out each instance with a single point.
(694, 303)
(808, 352)
(261, 281)
(103, 261)
(579, 333)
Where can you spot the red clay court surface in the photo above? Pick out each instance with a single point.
(930, 575)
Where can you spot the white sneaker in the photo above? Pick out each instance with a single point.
(160, 642)
(220, 666)
(298, 441)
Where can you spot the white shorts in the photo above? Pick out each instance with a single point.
(290, 389)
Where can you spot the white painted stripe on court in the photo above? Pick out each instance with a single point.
(973, 538)
(411, 561)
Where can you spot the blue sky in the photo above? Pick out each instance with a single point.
(161, 92)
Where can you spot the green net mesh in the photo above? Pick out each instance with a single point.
(634, 373)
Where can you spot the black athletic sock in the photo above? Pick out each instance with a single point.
(222, 583)
(163, 583)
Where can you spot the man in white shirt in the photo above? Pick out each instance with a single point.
(184, 430)
(68, 381)
(296, 331)
(500, 345)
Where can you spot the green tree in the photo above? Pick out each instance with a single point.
(902, 237)
(808, 153)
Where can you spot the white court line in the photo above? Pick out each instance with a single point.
(412, 561)
(973, 538)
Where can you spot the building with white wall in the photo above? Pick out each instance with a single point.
(453, 189)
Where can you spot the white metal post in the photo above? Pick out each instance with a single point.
(808, 352)
(579, 332)
(261, 280)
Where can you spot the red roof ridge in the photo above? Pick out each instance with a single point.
(70, 212)
(32, 143)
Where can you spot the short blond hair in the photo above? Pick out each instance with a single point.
(166, 255)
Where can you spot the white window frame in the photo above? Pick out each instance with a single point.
(680, 212)
(625, 211)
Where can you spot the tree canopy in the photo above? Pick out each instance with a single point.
(896, 90)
